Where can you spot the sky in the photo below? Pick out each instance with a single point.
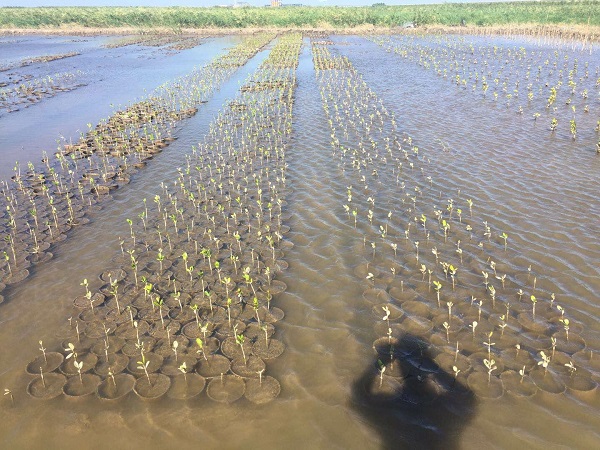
(210, 2)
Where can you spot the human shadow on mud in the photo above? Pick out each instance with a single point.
(415, 403)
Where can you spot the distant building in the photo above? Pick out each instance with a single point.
(241, 5)
(275, 3)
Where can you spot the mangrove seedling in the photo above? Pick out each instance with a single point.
(446, 228)
(452, 271)
(208, 295)
(168, 330)
(565, 323)
(445, 269)
(255, 306)
(114, 290)
(438, 288)
(505, 237)
(143, 364)
(200, 345)
(522, 373)
(106, 347)
(434, 250)
(381, 368)
(386, 316)
(183, 369)
(71, 353)
(137, 331)
(456, 371)
(489, 344)
(389, 335)
(9, 393)
(177, 296)
(159, 302)
(260, 372)
(248, 278)
(190, 271)
(142, 216)
(568, 365)
(175, 345)
(131, 232)
(473, 326)
(43, 350)
(134, 265)
(147, 288)
(459, 251)
(85, 284)
(131, 315)
(492, 290)
(7, 259)
(485, 278)
(194, 308)
(79, 365)
(489, 364)
(240, 339)
(229, 310)
(544, 362)
(533, 302)
(160, 257)
(503, 324)
(447, 328)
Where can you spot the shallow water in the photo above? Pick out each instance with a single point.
(118, 76)
(541, 191)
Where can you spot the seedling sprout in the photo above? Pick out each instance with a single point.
(143, 364)
(381, 368)
(183, 369)
(9, 393)
(43, 350)
(489, 364)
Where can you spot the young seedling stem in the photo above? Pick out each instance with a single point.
(43, 351)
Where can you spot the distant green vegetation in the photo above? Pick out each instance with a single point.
(452, 14)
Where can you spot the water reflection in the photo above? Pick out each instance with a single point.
(410, 400)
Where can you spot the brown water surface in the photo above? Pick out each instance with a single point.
(541, 190)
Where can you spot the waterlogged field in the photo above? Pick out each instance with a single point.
(310, 242)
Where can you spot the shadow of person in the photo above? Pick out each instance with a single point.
(410, 399)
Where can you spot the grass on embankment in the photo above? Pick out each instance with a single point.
(472, 14)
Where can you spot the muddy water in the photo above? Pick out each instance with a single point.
(542, 187)
(328, 328)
